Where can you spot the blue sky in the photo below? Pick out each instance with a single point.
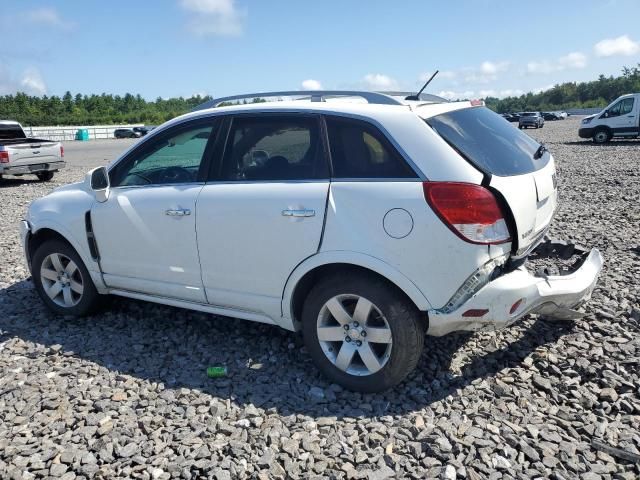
(221, 47)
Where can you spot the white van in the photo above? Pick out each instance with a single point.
(620, 119)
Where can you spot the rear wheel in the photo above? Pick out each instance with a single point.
(361, 332)
(62, 280)
(601, 136)
(44, 176)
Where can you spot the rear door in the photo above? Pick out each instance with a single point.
(514, 165)
(262, 212)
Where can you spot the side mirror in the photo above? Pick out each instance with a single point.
(99, 182)
(606, 114)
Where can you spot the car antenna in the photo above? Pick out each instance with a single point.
(417, 95)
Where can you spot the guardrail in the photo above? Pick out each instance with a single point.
(68, 133)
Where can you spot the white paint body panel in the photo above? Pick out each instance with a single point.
(248, 248)
(355, 223)
(532, 199)
(143, 249)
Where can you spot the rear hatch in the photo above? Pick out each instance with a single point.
(515, 166)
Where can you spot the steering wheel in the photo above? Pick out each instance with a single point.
(176, 175)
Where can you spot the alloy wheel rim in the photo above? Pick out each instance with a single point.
(61, 280)
(354, 334)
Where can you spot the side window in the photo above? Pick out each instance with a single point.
(627, 106)
(615, 110)
(173, 157)
(274, 148)
(359, 150)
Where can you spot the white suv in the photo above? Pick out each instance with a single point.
(363, 224)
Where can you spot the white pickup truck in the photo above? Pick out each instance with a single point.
(21, 155)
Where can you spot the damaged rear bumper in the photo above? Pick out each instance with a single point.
(513, 295)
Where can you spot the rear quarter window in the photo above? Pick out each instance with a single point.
(361, 151)
(488, 141)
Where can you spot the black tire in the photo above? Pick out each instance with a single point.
(406, 322)
(44, 176)
(601, 136)
(90, 300)
(520, 127)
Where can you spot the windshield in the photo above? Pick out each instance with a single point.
(529, 114)
(489, 142)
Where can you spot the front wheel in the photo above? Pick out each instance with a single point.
(601, 136)
(62, 280)
(44, 176)
(362, 333)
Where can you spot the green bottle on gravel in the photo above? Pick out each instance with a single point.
(216, 372)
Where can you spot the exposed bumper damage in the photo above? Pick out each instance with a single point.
(513, 295)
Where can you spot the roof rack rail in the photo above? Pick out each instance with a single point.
(315, 96)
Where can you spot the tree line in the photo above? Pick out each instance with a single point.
(107, 109)
(104, 109)
(596, 93)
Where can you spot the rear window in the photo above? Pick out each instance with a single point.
(9, 131)
(488, 141)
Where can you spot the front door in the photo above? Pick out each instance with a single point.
(146, 230)
(622, 117)
(263, 212)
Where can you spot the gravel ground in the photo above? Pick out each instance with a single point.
(124, 393)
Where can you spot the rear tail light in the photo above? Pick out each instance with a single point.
(61, 151)
(470, 211)
(4, 156)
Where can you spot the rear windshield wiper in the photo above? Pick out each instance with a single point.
(540, 151)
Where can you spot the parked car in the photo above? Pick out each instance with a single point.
(21, 155)
(142, 130)
(531, 119)
(126, 133)
(510, 117)
(621, 119)
(363, 225)
(552, 116)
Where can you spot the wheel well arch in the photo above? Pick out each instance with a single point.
(311, 278)
(36, 239)
(600, 128)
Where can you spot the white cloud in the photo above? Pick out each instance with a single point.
(510, 92)
(492, 68)
(622, 45)
(215, 17)
(451, 95)
(487, 72)
(311, 84)
(48, 17)
(32, 82)
(573, 60)
(543, 89)
(378, 81)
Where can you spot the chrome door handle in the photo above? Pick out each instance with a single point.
(180, 212)
(298, 213)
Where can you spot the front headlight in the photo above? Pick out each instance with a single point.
(586, 120)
